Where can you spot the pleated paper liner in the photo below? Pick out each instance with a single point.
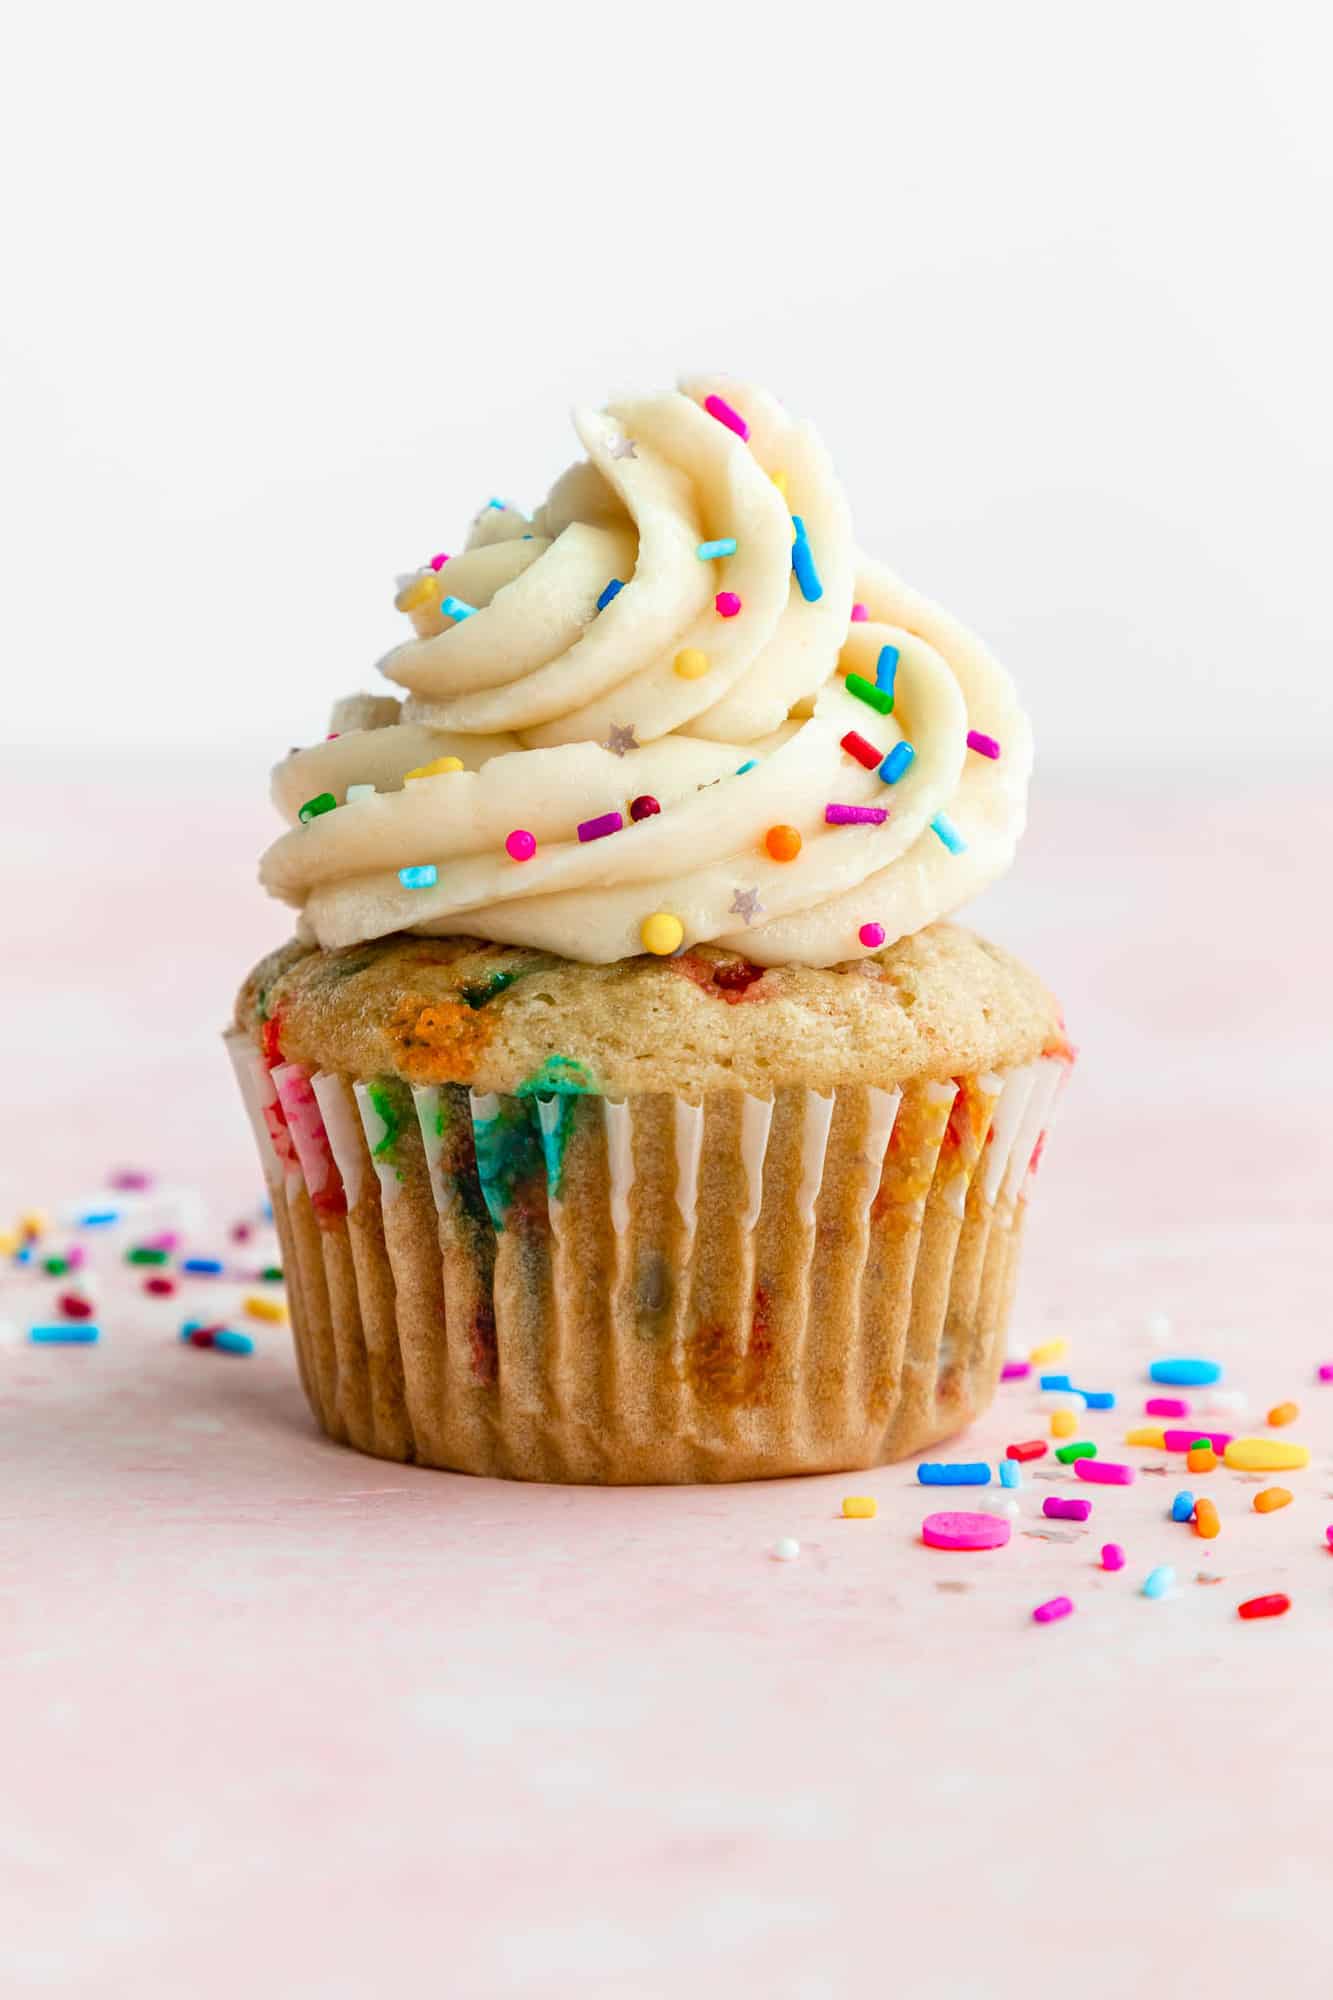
(559, 1286)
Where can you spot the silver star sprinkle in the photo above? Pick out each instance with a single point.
(621, 739)
(623, 447)
(745, 903)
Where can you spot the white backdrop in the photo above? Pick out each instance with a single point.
(287, 300)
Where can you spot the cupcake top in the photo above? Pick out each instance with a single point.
(675, 706)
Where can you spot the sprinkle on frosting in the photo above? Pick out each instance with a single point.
(690, 663)
(662, 933)
(886, 671)
(944, 829)
(423, 876)
(437, 563)
(783, 843)
(520, 845)
(835, 815)
(872, 696)
(859, 614)
(746, 905)
(598, 828)
(864, 753)
(985, 746)
(454, 607)
(709, 551)
(897, 763)
(871, 936)
(357, 792)
(644, 807)
(727, 603)
(613, 590)
(722, 410)
(623, 447)
(323, 802)
(803, 563)
(439, 767)
(621, 739)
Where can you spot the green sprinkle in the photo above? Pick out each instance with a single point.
(381, 1098)
(141, 1254)
(272, 1273)
(867, 692)
(1067, 1453)
(323, 802)
(55, 1267)
(477, 995)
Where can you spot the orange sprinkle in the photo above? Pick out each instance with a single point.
(1270, 1499)
(1201, 1458)
(783, 842)
(1284, 1413)
(1206, 1522)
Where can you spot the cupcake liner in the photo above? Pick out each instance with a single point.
(563, 1286)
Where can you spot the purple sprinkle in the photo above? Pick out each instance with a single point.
(985, 746)
(131, 1179)
(1053, 1608)
(1066, 1510)
(1014, 1371)
(597, 829)
(855, 815)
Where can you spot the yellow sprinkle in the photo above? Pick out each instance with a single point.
(662, 933)
(265, 1308)
(1152, 1434)
(34, 1222)
(690, 663)
(1050, 1350)
(435, 770)
(859, 1507)
(780, 481)
(421, 591)
(1266, 1455)
(9, 1242)
(1063, 1423)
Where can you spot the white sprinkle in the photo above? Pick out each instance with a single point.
(1062, 1399)
(1219, 1400)
(999, 1501)
(787, 1550)
(355, 792)
(1157, 1326)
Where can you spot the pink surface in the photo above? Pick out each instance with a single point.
(284, 1719)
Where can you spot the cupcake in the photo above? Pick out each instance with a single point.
(629, 1111)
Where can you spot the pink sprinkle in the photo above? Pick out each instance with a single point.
(520, 845)
(241, 1232)
(1015, 1371)
(724, 413)
(1066, 1510)
(131, 1179)
(985, 746)
(1166, 1406)
(166, 1239)
(76, 1256)
(1328, 1535)
(1113, 1556)
(438, 562)
(871, 936)
(1186, 1440)
(333, 736)
(855, 815)
(1103, 1473)
(965, 1531)
(728, 604)
(859, 614)
(1053, 1608)
(1326, 1371)
(597, 829)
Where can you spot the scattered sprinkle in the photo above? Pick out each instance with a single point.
(1270, 1606)
(860, 1507)
(662, 933)
(727, 603)
(1113, 1556)
(133, 1180)
(1166, 1406)
(598, 828)
(355, 793)
(965, 1531)
(259, 1307)
(73, 1306)
(1266, 1455)
(725, 545)
(1206, 1522)
(783, 843)
(787, 1550)
(985, 746)
(613, 590)
(1202, 1458)
(947, 833)
(437, 563)
(1015, 1371)
(1032, 1448)
(886, 671)
(227, 1341)
(803, 564)
(1056, 1509)
(724, 413)
(440, 767)
(323, 802)
(871, 936)
(1068, 1454)
(749, 765)
(1049, 1350)
(690, 663)
(644, 807)
(1185, 1372)
(867, 692)
(1053, 1608)
(1283, 1413)
(974, 1473)
(1010, 1472)
(1271, 1498)
(454, 607)
(65, 1333)
(1099, 1399)
(859, 614)
(1182, 1507)
(1104, 1472)
(423, 876)
(160, 1287)
(145, 1253)
(1158, 1581)
(202, 1267)
(835, 815)
(1063, 1423)
(864, 753)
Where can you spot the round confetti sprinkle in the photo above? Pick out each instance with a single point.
(690, 663)
(644, 807)
(965, 1531)
(520, 845)
(662, 933)
(783, 843)
(787, 1550)
(727, 603)
(871, 936)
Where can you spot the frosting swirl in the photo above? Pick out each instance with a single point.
(671, 677)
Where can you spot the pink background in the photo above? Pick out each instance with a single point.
(284, 1719)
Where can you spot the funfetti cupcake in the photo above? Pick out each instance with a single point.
(629, 1111)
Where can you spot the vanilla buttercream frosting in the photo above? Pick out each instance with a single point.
(673, 706)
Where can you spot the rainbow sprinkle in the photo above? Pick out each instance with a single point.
(454, 607)
(855, 815)
(864, 753)
(803, 564)
(421, 877)
(945, 831)
(727, 603)
(323, 802)
(872, 696)
(898, 762)
(724, 546)
(871, 936)
(985, 746)
(613, 590)
(859, 614)
(724, 413)
(886, 670)
(598, 828)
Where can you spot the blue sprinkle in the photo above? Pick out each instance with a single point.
(23, 1256)
(97, 1218)
(953, 1475)
(1099, 1399)
(1182, 1507)
(1010, 1475)
(945, 831)
(190, 1326)
(228, 1342)
(454, 607)
(613, 589)
(499, 505)
(418, 878)
(749, 765)
(1158, 1581)
(886, 669)
(1054, 1382)
(268, 1211)
(70, 1333)
(202, 1267)
(896, 763)
(726, 546)
(803, 562)
(1186, 1373)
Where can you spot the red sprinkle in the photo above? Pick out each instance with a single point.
(161, 1288)
(864, 753)
(1034, 1448)
(1271, 1606)
(74, 1307)
(644, 806)
(203, 1336)
(728, 604)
